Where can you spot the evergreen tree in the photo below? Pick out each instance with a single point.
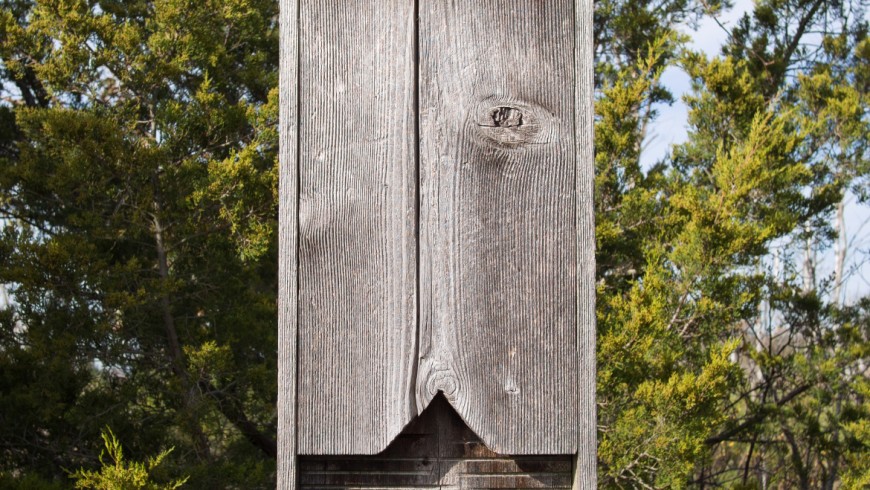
(716, 367)
(138, 192)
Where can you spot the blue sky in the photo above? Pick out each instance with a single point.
(670, 129)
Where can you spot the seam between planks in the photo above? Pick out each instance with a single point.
(298, 183)
(417, 213)
(288, 240)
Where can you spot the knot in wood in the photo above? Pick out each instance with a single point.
(507, 117)
(507, 123)
(443, 380)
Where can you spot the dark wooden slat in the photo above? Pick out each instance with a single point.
(345, 464)
(498, 290)
(495, 488)
(376, 487)
(354, 479)
(357, 209)
(287, 242)
(520, 465)
(516, 481)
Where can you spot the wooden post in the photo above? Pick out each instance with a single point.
(287, 242)
(585, 469)
(437, 239)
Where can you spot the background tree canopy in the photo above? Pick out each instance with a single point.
(138, 184)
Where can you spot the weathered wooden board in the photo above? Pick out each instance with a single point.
(436, 451)
(287, 278)
(498, 218)
(585, 466)
(357, 225)
(506, 235)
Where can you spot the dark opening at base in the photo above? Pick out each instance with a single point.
(436, 450)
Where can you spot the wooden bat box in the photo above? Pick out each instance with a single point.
(437, 268)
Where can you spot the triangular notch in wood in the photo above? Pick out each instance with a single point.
(436, 448)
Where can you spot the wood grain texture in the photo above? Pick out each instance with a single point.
(498, 285)
(357, 231)
(287, 243)
(585, 476)
(437, 450)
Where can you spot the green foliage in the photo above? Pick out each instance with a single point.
(714, 368)
(30, 481)
(118, 474)
(138, 204)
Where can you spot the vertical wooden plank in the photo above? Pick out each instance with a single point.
(357, 225)
(585, 474)
(498, 284)
(287, 213)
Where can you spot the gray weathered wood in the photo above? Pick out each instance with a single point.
(357, 231)
(287, 279)
(585, 475)
(498, 217)
(506, 281)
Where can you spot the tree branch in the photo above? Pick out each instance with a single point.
(757, 418)
(232, 409)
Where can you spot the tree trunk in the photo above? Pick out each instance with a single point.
(840, 255)
(189, 389)
(809, 266)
